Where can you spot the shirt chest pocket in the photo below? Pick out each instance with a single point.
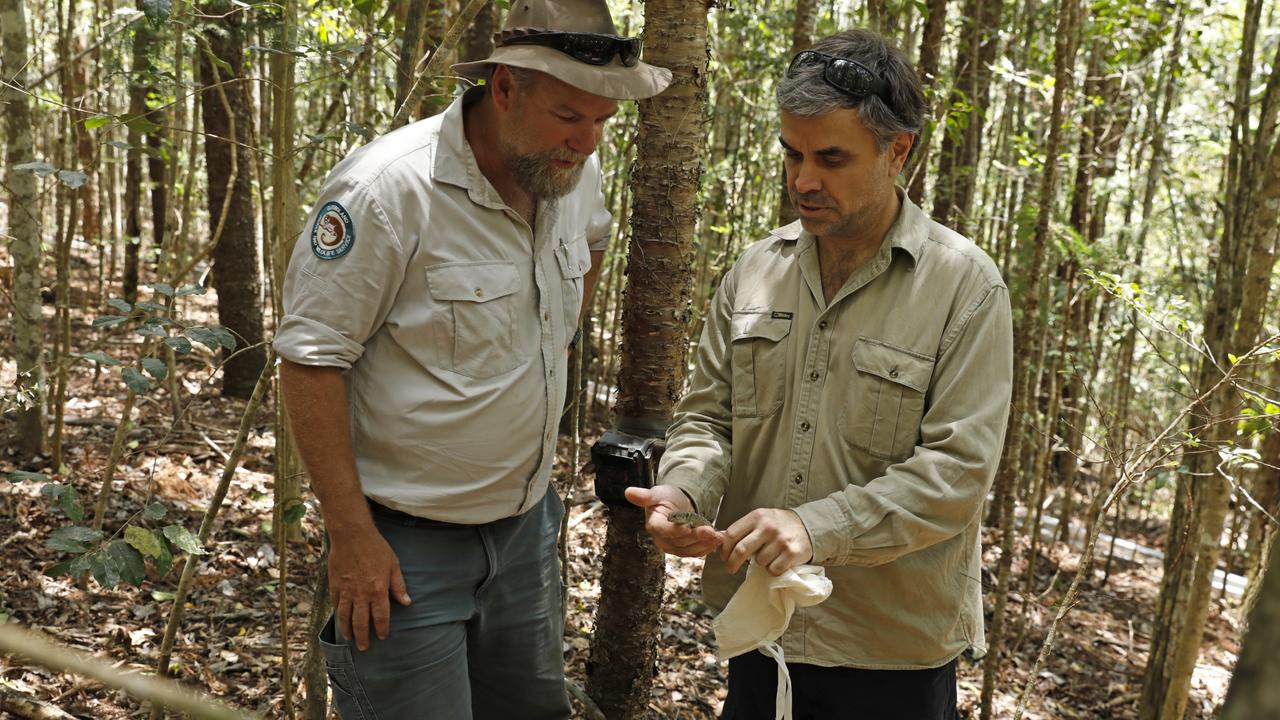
(476, 335)
(759, 362)
(885, 403)
(574, 259)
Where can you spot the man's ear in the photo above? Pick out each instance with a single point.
(502, 86)
(901, 146)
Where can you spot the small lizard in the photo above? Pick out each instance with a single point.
(692, 519)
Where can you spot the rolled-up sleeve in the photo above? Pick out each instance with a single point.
(937, 492)
(698, 455)
(336, 296)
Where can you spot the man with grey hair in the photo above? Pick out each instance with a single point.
(847, 410)
(429, 307)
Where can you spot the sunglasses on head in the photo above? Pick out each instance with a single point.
(590, 48)
(849, 76)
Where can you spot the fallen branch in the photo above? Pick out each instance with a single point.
(35, 647)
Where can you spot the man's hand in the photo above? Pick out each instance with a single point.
(677, 539)
(363, 570)
(775, 538)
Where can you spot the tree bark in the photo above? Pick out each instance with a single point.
(1070, 19)
(23, 231)
(665, 184)
(1255, 682)
(927, 65)
(478, 42)
(802, 31)
(237, 254)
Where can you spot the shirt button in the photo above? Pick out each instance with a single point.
(822, 325)
(479, 292)
(814, 376)
(798, 478)
(804, 426)
(893, 372)
(546, 316)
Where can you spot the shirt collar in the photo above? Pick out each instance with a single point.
(455, 163)
(908, 232)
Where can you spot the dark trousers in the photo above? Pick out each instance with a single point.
(832, 693)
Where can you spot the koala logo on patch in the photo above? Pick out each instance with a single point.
(333, 233)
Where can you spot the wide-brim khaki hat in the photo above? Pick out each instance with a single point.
(613, 80)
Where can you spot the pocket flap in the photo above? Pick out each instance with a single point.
(472, 281)
(762, 324)
(574, 258)
(892, 364)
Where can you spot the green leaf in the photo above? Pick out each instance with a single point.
(128, 562)
(204, 336)
(104, 570)
(186, 290)
(94, 123)
(152, 307)
(151, 329)
(108, 320)
(154, 512)
(155, 368)
(225, 338)
(72, 538)
(120, 305)
(164, 289)
(295, 512)
(180, 345)
(184, 540)
(157, 10)
(25, 476)
(99, 357)
(144, 541)
(141, 125)
(59, 569)
(136, 381)
(68, 500)
(164, 563)
(39, 168)
(72, 178)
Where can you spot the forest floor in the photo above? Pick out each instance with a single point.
(229, 643)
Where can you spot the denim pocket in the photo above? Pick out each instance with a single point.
(349, 698)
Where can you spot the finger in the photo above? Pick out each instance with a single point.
(381, 610)
(344, 618)
(640, 497)
(398, 589)
(742, 551)
(360, 624)
(782, 563)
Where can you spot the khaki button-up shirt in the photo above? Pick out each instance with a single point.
(878, 418)
(451, 316)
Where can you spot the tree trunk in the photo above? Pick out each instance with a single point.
(237, 255)
(415, 22)
(1255, 682)
(927, 65)
(665, 183)
(478, 42)
(802, 31)
(24, 230)
(1070, 19)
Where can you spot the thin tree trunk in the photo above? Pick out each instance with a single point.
(928, 65)
(665, 184)
(802, 32)
(478, 42)
(1070, 20)
(237, 255)
(1255, 682)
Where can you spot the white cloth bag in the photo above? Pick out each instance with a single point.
(759, 612)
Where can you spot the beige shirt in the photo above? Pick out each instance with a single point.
(879, 419)
(451, 316)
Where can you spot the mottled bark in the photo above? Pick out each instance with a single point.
(665, 183)
(23, 230)
(1255, 682)
(478, 42)
(415, 23)
(927, 66)
(237, 256)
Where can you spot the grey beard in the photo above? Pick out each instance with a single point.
(540, 178)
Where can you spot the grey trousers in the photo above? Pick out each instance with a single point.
(483, 637)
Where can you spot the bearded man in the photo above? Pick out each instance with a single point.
(424, 367)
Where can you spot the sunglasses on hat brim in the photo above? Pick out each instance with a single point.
(848, 76)
(590, 48)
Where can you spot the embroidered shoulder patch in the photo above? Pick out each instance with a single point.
(333, 233)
